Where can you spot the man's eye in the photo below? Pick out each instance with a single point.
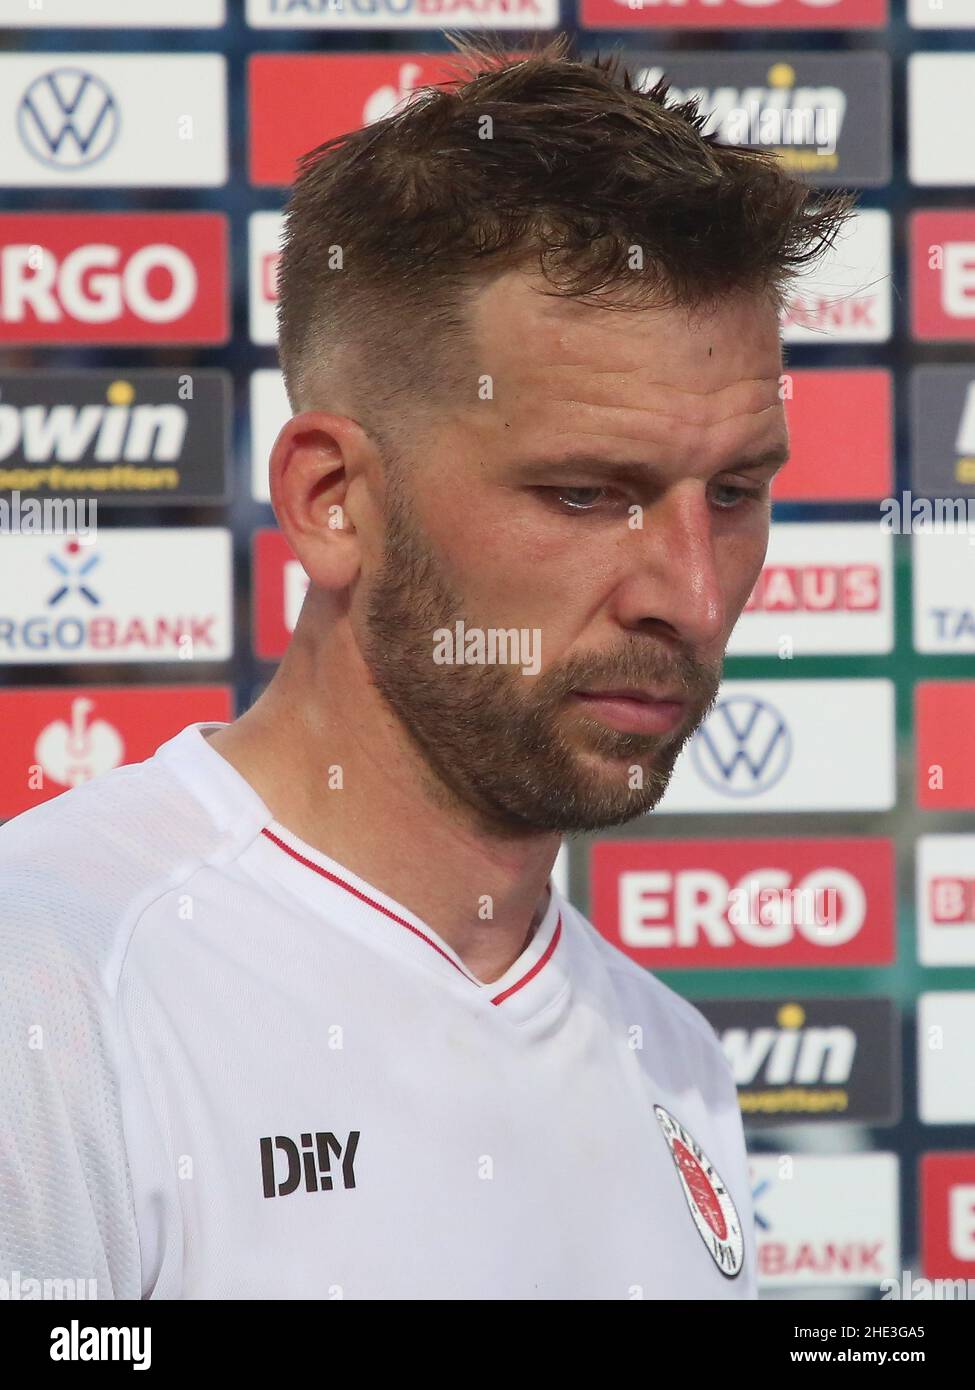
(727, 496)
(576, 499)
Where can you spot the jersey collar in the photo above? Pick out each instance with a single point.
(530, 984)
(535, 980)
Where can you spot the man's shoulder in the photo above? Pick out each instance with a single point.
(76, 871)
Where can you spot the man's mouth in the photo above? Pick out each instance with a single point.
(633, 710)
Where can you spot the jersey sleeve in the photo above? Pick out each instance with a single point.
(67, 1218)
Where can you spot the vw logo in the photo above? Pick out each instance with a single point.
(68, 118)
(743, 748)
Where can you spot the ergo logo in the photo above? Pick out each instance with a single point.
(127, 277)
(94, 284)
(661, 909)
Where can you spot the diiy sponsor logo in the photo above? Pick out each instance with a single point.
(309, 1164)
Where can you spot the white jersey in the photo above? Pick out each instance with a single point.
(230, 1068)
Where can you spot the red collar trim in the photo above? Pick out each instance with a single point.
(371, 902)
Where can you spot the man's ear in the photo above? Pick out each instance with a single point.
(313, 461)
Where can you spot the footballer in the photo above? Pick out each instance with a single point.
(294, 1009)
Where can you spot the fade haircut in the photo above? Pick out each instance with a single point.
(546, 163)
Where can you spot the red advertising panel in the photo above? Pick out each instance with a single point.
(948, 1215)
(945, 721)
(279, 589)
(841, 433)
(60, 736)
(714, 903)
(943, 275)
(733, 14)
(121, 277)
(299, 100)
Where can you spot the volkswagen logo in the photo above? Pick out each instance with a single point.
(68, 118)
(743, 748)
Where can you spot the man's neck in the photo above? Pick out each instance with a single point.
(476, 891)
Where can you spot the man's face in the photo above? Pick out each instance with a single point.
(606, 498)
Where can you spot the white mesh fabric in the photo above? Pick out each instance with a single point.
(75, 874)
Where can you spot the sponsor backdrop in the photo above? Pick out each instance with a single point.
(809, 878)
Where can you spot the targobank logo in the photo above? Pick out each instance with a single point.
(138, 595)
(402, 14)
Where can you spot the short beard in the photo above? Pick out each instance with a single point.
(491, 738)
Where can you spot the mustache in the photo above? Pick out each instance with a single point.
(683, 671)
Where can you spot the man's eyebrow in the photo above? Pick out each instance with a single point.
(778, 455)
(639, 472)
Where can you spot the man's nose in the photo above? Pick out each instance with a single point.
(675, 581)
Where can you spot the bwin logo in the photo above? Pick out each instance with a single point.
(744, 747)
(68, 118)
(313, 1160)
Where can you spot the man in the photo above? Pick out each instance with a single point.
(293, 1009)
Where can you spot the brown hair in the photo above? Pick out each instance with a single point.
(544, 159)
